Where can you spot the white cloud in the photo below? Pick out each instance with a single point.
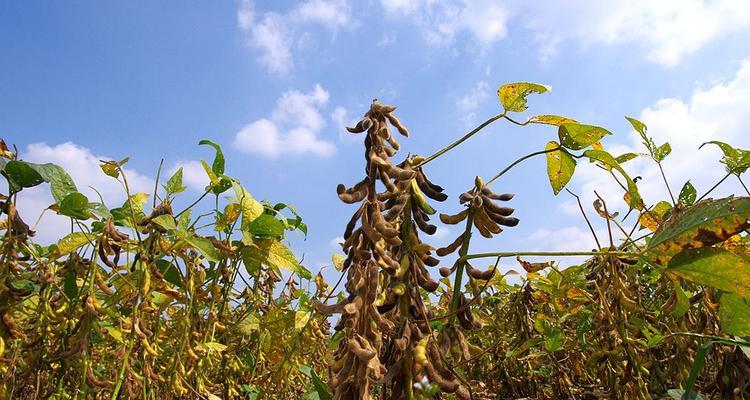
(441, 21)
(665, 31)
(193, 174)
(468, 103)
(83, 167)
(718, 112)
(291, 129)
(275, 35)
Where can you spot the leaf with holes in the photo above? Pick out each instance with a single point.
(513, 95)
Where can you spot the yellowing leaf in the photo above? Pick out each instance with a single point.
(560, 166)
(338, 261)
(555, 120)
(215, 346)
(300, 319)
(72, 242)
(250, 207)
(714, 267)
(578, 136)
(248, 324)
(513, 95)
(703, 224)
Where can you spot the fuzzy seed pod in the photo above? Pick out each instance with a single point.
(454, 219)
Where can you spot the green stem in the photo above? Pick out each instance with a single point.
(462, 139)
(460, 268)
(514, 163)
(547, 253)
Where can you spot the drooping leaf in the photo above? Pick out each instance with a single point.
(324, 392)
(687, 194)
(22, 174)
(607, 159)
(70, 286)
(734, 315)
(174, 184)
(713, 267)
(112, 168)
(204, 246)
(513, 95)
(700, 225)
(248, 324)
(218, 165)
(61, 184)
(560, 166)
(75, 205)
(576, 136)
(555, 120)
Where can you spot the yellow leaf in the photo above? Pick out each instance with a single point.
(300, 319)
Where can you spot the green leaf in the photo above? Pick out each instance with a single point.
(623, 158)
(251, 208)
(639, 126)
(166, 221)
(70, 287)
(579, 136)
(72, 242)
(560, 166)
(555, 120)
(218, 165)
(607, 159)
(687, 194)
(204, 246)
(61, 184)
(513, 95)
(169, 271)
(75, 205)
(22, 174)
(700, 225)
(713, 267)
(734, 315)
(273, 253)
(100, 210)
(737, 161)
(174, 184)
(266, 225)
(323, 390)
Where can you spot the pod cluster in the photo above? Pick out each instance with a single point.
(386, 337)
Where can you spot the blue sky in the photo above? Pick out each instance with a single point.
(274, 82)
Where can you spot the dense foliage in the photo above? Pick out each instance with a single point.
(146, 302)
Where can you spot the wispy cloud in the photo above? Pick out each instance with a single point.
(276, 35)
